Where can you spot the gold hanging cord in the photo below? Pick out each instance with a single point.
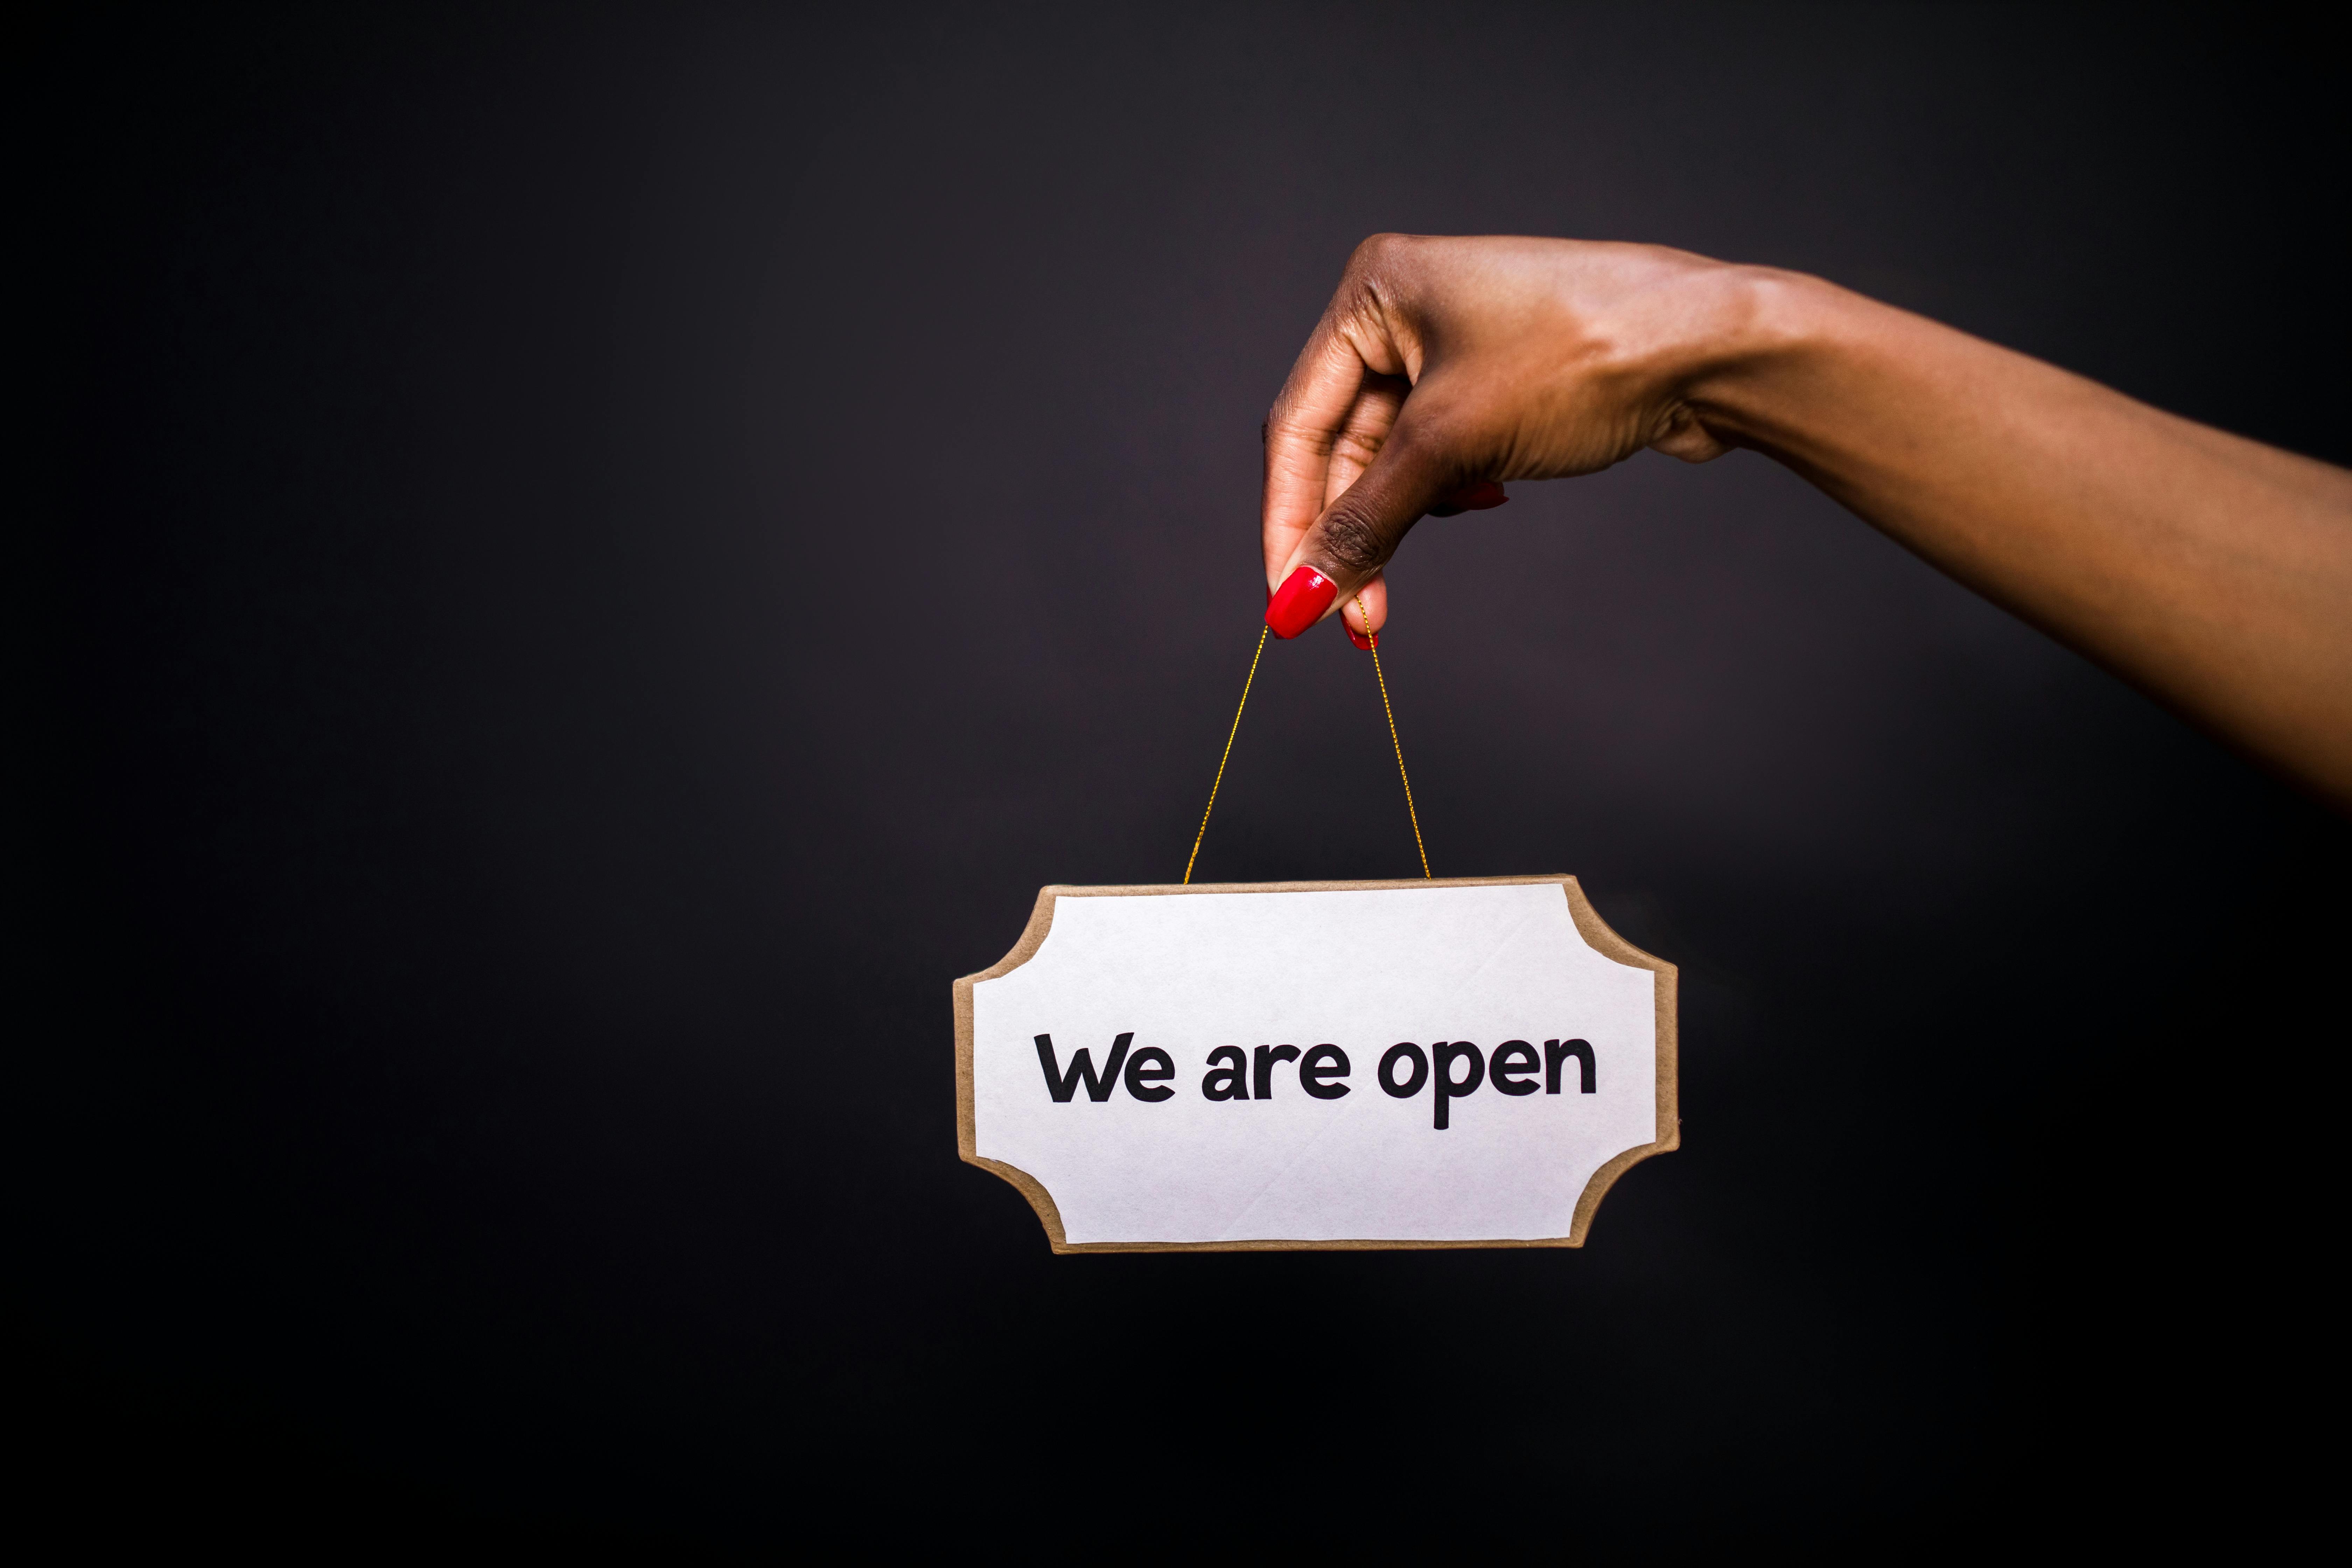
(1369, 636)
(1221, 761)
(1373, 638)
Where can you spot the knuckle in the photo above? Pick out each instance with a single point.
(1375, 249)
(1279, 422)
(1354, 542)
(1360, 441)
(1377, 268)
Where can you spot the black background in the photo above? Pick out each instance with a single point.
(593, 560)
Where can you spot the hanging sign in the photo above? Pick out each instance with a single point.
(1287, 1065)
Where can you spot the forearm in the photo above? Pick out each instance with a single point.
(2213, 572)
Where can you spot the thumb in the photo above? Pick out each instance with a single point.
(1358, 531)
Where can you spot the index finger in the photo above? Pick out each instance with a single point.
(1301, 430)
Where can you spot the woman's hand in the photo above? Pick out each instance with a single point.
(1445, 366)
(2212, 572)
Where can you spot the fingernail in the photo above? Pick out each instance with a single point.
(1358, 638)
(1484, 496)
(1300, 602)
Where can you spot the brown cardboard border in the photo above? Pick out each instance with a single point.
(1589, 925)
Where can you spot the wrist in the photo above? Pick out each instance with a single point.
(1756, 335)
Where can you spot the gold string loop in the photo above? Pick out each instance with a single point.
(1373, 639)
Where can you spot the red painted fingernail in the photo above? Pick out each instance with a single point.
(1484, 496)
(1300, 602)
(1358, 638)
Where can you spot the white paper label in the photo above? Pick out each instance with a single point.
(1278, 1059)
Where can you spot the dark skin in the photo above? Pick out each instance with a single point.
(2212, 572)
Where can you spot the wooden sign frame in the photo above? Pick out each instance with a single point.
(1589, 925)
